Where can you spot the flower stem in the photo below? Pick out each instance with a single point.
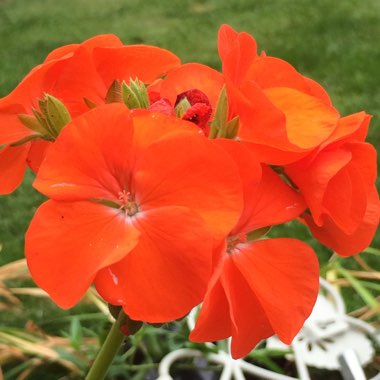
(108, 350)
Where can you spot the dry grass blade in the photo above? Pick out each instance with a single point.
(14, 270)
(93, 296)
(41, 348)
(370, 275)
(34, 292)
(363, 264)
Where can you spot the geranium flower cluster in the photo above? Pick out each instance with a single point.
(163, 179)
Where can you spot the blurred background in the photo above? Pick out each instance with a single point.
(335, 43)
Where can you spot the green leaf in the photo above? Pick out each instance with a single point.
(76, 333)
(221, 115)
(232, 128)
(366, 296)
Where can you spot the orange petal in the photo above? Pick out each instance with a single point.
(315, 89)
(68, 243)
(237, 52)
(250, 324)
(166, 274)
(214, 322)
(352, 127)
(274, 72)
(194, 172)
(271, 202)
(309, 121)
(12, 167)
(349, 244)
(93, 166)
(250, 175)
(288, 300)
(102, 40)
(11, 128)
(73, 79)
(313, 178)
(345, 199)
(193, 76)
(144, 62)
(262, 125)
(150, 127)
(37, 152)
(26, 94)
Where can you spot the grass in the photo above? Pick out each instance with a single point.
(334, 44)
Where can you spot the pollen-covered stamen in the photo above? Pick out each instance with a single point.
(127, 203)
(233, 241)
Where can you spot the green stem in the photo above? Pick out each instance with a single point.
(108, 351)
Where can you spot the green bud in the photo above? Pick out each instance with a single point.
(32, 123)
(182, 107)
(129, 97)
(221, 114)
(135, 95)
(57, 114)
(89, 103)
(232, 128)
(114, 93)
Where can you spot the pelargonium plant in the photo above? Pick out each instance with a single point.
(164, 178)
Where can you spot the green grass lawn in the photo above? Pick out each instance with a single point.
(335, 43)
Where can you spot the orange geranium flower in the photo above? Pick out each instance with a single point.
(338, 184)
(79, 75)
(242, 300)
(138, 202)
(282, 114)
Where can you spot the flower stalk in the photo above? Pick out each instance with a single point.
(108, 350)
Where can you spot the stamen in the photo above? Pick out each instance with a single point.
(128, 203)
(233, 241)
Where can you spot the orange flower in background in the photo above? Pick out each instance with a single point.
(79, 75)
(138, 202)
(282, 114)
(338, 184)
(242, 300)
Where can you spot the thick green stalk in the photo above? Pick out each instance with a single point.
(108, 351)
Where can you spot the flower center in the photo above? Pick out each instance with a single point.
(127, 203)
(233, 241)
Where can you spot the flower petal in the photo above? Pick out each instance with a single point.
(289, 300)
(166, 274)
(92, 166)
(352, 127)
(102, 40)
(349, 244)
(237, 52)
(194, 172)
(214, 322)
(37, 152)
(250, 175)
(309, 121)
(313, 177)
(271, 202)
(250, 324)
(193, 76)
(274, 72)
(68, 243)
(144, 62)
(12, 167)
